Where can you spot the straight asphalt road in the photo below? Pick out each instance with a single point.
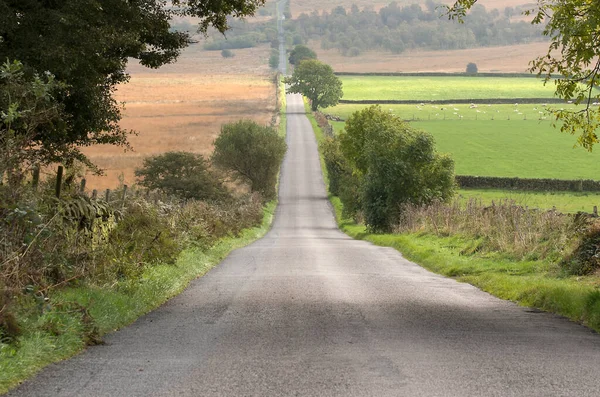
(307, 311)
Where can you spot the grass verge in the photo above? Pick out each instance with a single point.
(540, 284)
(64, 327)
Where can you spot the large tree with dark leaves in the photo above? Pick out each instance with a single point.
(86, 44)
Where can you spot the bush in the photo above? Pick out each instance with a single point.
(226, 53)
(253, 153)
(471, 68)
(395, 165)
(182, 174)
(585, 258)
(274, 59)
(301, 53)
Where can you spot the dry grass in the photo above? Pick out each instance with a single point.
(182, 107)
(489, 59)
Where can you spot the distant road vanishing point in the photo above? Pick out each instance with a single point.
(307, 311)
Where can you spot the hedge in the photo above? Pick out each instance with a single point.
(490, 182)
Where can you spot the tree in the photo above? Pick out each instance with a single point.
(182, 174)
(253, 153)
(316, 81)
(227, 53)
(27, 105)
(395, 165)
(300, 53)
(471, 68)
(86, 44)
(572, 60)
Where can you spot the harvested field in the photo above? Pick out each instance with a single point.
(182, 107)
(488, 59)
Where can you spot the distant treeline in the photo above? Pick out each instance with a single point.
(396, 28)
(545, 185)
(393, 28)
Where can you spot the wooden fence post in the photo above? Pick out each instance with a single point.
(36, 177)
(59, 177)
(94, 194)
(107, 195)
(595, 210)
(124, 196)
(82, 186)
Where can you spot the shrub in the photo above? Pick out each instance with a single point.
(253, 153)
(226, 53)
(471, 68)
(274, 59)
(185, 175)
(585, 258)
(395, 165)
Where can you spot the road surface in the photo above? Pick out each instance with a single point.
(307, 311)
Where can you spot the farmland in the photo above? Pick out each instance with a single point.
(182, 107)
(428, 88)
(504, 140)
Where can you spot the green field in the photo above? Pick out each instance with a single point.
(566, 202)
(515, 148)
(489, 112)
(443, 88)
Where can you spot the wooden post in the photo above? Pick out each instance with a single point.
(94, 194)
(36, 177)
(59, 177)
(123, 196)
(107, 195)
(82, 186)
(595, 210)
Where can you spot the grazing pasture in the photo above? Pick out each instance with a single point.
(432, 88)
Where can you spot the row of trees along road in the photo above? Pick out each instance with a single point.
(68, 56)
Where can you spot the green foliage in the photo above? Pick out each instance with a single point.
(227, 53)
(471, 68)
(316, 81)
(301, 53)
(183, 174)
(87, 47)
(585, 258)
(27, 105)
(571, 25)
(274, 59)
(397, 165)
(253, 153)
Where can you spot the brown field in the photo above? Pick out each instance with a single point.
(182, 107)
(298, 7)
(489, 59)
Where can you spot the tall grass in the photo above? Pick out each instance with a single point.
(502, 226)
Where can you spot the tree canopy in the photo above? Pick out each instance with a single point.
(316, 81)
(572, 59)
(86, 45)
(300, 53)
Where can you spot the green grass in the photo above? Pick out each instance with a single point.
(508, 148)
(481, 112)
(566, 202)
(60, 332)
(443, 88)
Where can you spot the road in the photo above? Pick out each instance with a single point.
(307, 311)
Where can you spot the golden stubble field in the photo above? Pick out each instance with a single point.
(488, 59)
(182, 107)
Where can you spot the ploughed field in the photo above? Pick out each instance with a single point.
(487, 139)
